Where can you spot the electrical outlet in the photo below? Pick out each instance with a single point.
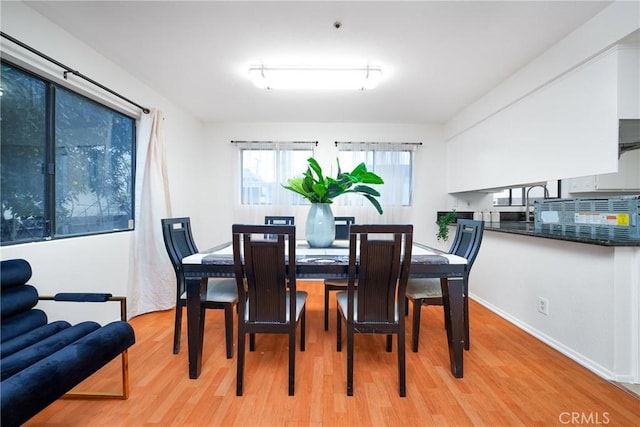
(543, 306)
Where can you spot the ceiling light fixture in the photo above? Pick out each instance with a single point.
(315, 78)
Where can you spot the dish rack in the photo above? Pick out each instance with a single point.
(616, 218)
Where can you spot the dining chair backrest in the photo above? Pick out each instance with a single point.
(467, 240)
(178, 240)
(279, 220)
(265, 269)
(343, 224)
(382, 265)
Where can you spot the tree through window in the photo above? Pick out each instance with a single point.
(67, 162)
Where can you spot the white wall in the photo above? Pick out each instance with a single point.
(98, 263)
(558, 115)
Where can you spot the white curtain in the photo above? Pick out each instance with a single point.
(152, 284)
(393, 162)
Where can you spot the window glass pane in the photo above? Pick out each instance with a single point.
(22, 153)
(94, 171)
(554, 188)
(264, 169)
(502, 198)
(517, 196)
(258, 176)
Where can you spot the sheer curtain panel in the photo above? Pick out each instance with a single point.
(264, 166)
(152, 280)
(391, 161)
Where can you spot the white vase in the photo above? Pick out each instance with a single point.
(321, 226)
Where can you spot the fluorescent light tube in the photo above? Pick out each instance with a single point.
(315, 78)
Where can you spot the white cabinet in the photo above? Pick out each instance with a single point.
(627, 179)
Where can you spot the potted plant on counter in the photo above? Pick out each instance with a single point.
(320, 190)
(443, 225)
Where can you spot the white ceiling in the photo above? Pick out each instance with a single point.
(438, 57)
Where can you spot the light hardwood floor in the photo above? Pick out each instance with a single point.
(511, 379)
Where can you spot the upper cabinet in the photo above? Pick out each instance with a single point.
(629, 81)
(565, 128)
(626, 180)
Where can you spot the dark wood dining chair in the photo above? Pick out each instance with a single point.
(265, 270)
(278, 220)
(330, 285)
(221, 293)
(379, 260)
(423, 292)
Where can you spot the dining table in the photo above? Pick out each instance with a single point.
(321, 263)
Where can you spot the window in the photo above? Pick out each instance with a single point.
(393, 162)
(67, 162)
(265, 166)
(516, 196)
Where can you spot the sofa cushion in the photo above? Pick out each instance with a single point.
(25, 340)
(20, 360)
(22, 323)
(14, 272)
(18, 299)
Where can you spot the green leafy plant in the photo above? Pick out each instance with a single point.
(317, 188)
(443, 225)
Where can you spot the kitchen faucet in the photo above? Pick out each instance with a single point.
(527, 206)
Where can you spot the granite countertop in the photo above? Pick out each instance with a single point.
(527, 229)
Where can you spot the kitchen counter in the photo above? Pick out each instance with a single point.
(527, 229)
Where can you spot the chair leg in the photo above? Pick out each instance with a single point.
(303, 326)
(415, 332)
(467, 343)
(326, 308)
(228, 329)
(240, 361)
(252, 342)
(338, 330)
(349, 360)
(444, 284)
(292, 360)
(177, 328)
(389, 342)
(402, 374)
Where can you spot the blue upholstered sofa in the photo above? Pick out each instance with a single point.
(41, 361)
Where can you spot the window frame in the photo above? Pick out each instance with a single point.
(49, 232)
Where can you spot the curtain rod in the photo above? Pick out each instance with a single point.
(275, 142)
(72, 71)
(378, 142)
